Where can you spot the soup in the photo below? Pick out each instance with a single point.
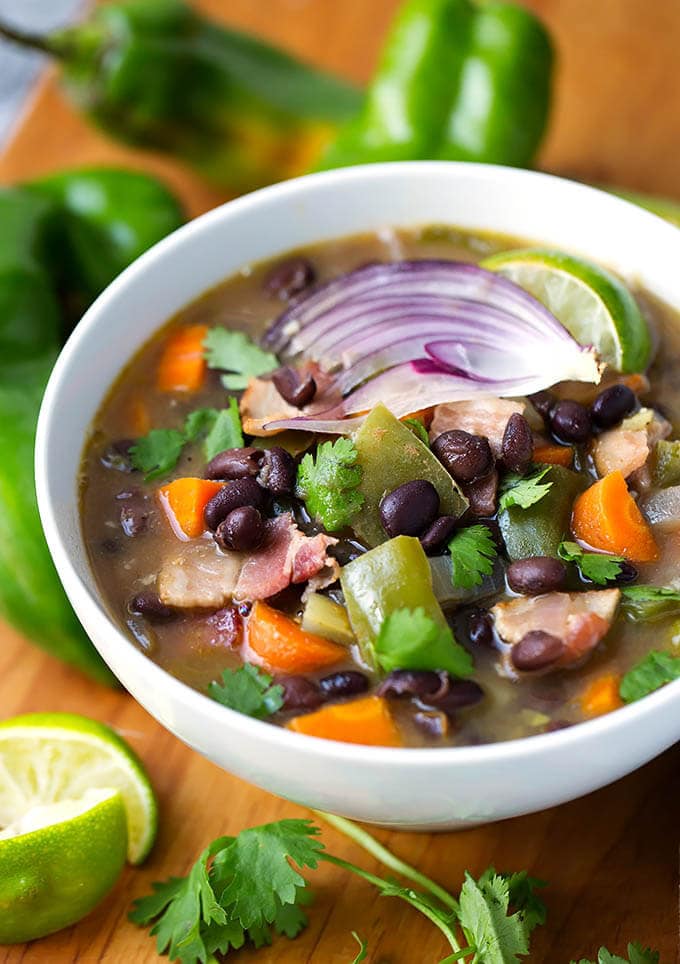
(324, 494)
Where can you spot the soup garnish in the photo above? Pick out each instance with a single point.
(400, 504)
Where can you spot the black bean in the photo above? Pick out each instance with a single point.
(479, 628)
(242, 530)
(517, 448)
(297, 388)
(439, 532)
(346, 683)
(433, 722)
(232, 496)
(536, 650)
(133, 518)
(345, 550)
(627, 573)
(234, 464)
(409, 509)
(536, 574)
(412, 682)
(459, 694)
(117, 456)
(612, 405)
(570, 422)
(150, 605)
(542, 402)
(278, 471)
(289, 278)
(466, 457)
(482, 495)
(300, 693)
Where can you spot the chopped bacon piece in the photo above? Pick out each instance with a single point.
(483, 416)
(620, 450)
(261, 403)
(199, 577)
(579, 619)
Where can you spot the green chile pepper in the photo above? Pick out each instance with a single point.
(157, 74)
(31, 595)
(538, 530)
(458, 80)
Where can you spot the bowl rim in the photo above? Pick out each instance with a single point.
(150, 672)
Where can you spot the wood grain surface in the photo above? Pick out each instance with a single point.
(611, 858)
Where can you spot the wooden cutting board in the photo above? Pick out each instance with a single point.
(611, 858)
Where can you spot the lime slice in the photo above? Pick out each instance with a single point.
(593, 305)
(57, 861)
(48, 758)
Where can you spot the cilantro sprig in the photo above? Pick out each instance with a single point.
(410, 639)
(655, 670)
(234, 352)
(523, 490)
(157, 453)
(328, 483)
(247, 690)
(650, 602)
(473, 553)
(598, 567)
(636, 955)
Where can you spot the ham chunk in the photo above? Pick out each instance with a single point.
(627, 447)
(287, 556)
(261, 403)
(199, 577)
(483, 416)
(579, 619)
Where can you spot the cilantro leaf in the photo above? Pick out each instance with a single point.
(198, 422)
(523, 491)
(598, 567)
(650, 602)
(418, 430)
(247, 690)
(410, 639)
(496, 937)
(524, 900)
(636, 955)
(473, 552)
(652, 672)
(225, 432)
(233, 351)
(363, 949)
(328, 483)
(157, 453)
(253, 874)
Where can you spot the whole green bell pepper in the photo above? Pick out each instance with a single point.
(156, 74)
(62, 239)
(457, 80)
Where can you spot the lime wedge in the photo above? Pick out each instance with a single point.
(57, 861)
(49, 758)
(593, 305)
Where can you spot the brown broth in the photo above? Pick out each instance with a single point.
(187, 648)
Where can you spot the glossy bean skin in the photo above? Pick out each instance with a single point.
(460, 693)
(482, 495)
(289, 278)
(150, 605)
(480, 628)
(234, 464)
(537, 650)
(439, 533)
(300, 693)
(232, 496)
(296, 388)
(242, 530)
(409, 509)
(570, 422)
(517, 448)
(535, 575)
(117, 456)
(612, 405)
(543, 402)
(348, 682)
(466, 457)
(411, 682)
(278, 471)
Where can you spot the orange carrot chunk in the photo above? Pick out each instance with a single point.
(601, 696)
(607, 517)
(554, 455)
(184, 501)
(366, 720)
(182, 365)
(284, 647)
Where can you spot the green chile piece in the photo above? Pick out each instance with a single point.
(389, 455)
(666, 470)
(538, 530)
(395, 575)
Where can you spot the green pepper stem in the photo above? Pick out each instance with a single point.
(381, 853)
(32, 41)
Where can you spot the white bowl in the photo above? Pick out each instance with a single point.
(405, 788)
